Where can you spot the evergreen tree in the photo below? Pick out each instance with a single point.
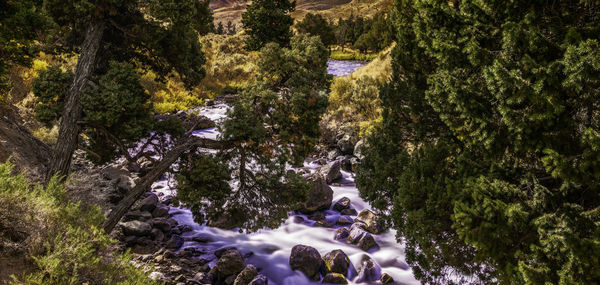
(21, 24)
(268, 21)
(274, 123)
(156, 35)
(488, 152)
(220, 29)
(316, 25)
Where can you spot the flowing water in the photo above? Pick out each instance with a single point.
(269, 249)
(344, 67)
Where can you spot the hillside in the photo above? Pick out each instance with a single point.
(232, 10)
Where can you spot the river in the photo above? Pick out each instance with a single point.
(269, 250)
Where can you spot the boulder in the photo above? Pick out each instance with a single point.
(158, 235)
(160, 211)
(306, 259)
(162, 224)
(331, 155)
(348, 212)
(331, 171)
(246, 276)
(341, 233)
(136, 228)
(259, 280)
(356, 232)
(137, 216)
(175, 242)
(230, 263)
(371, 220)
(369, 271)
(344, 221)
(345, 144)
(366, 242)
(358, 149)
(342, 204)
(336, 261)
(335, 278)
(319, 197)
(149, 203)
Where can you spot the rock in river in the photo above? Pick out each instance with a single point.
(371, 220)
(320, 196)
(331, 171)
(336, 261)
(306, 259)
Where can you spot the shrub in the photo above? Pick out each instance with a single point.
(63, 238)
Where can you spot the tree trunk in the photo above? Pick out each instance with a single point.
(146, 182)
(69, 129)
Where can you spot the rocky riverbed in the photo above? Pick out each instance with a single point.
(334, 238)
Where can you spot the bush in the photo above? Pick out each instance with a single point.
(63, 238)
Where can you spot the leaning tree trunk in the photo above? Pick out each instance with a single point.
(69, 128)
(157, 171)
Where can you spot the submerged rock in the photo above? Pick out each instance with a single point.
(336, 261)
(306, 259)
(335, 278)
(259, 280)
(369, 271)
(320, 196)
(371, 220)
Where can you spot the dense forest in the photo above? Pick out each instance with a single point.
(146, 142)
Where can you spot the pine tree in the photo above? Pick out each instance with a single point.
(268, 21)
(220, 29)
(316, 25)
(273, 124)
(157, 35)
(488, 152)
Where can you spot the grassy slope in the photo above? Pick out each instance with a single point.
(231, 10)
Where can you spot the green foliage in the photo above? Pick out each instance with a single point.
(488, 149)
(268, 21)
(21, 23)
(273, 123)
(116, 112)
(374, 34)
(50, 88)
(317, 25)
(64, 238)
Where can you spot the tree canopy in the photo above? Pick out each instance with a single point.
(272, 125)
(488, 152)
(316, 25)
(268, 21)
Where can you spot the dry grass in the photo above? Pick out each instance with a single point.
(354, 102)
(232, 10)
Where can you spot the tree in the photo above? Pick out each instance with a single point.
(22, 23)
(316, 25)
(231, 30)
(273, 124)
(157, 35)
(220, 29)
(488, 152)
(268, 21)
